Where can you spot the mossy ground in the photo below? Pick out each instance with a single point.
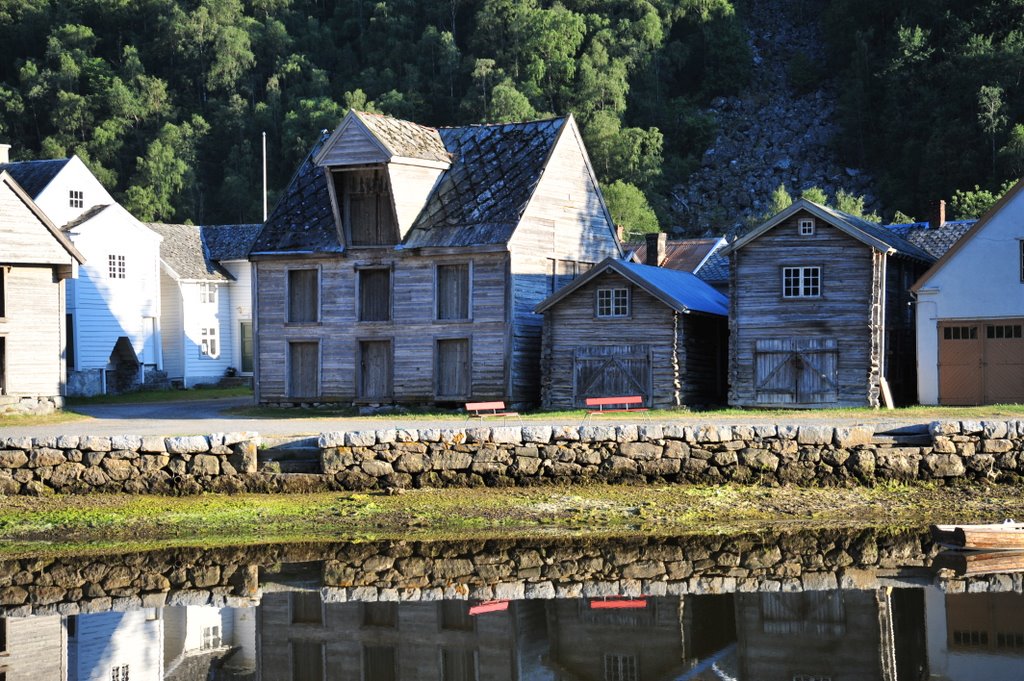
(76, 524)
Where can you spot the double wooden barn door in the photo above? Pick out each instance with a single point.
(611, 371)
(802, 371)
(981, 362)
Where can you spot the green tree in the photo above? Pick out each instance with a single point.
(779, 201)
(815, 194)
(973, 203)
(991, 114)
(630, 210)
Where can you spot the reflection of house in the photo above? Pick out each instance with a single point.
(35, 259)
(628, 329)
(403, 262)
(32, 649)
(206, 313)
(197, 638)
(302, 639)
(975, 635)
(819, 311)
(113, 307)
(127, 646)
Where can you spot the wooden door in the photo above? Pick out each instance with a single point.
(375, 369)
(1004, 361)
(800, 371)
(611, 371)
(304, 369)
(247, 347)
(961, 353)
(452, 371)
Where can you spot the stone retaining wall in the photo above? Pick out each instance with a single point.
(761, 454)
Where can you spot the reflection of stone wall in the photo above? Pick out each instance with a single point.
(173, 465)
(806, 455)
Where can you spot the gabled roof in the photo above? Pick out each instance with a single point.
(8, 179)
(184, 256)
(229, 242)
(682, 291)
(481, 198)
(405, 138)
(968, 235)
(868, 233)
(33, 176)
(303, 219)
(715, 269)
(686, 255)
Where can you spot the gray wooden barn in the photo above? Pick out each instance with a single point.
(403, 263)
(819, 311)
(629, 329)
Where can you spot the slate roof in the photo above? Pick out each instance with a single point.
(715, 270)
(481, 198)
(883, 234)
(85, 217)
(682, 291)
(183, 252)
(33, 176)
(936, 241)
(229, 242)
(303, 219)
(405, 138)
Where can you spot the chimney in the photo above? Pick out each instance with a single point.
(5, 153)
(939, 216)
(656, 244)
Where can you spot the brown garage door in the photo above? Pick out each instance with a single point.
(981, 362)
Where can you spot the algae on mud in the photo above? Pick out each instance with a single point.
(75, 522)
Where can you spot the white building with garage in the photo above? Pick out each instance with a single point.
(970, 313)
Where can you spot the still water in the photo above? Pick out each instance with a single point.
(795, 606)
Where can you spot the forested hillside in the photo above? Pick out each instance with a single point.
(166, 99)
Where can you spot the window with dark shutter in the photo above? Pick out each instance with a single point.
(367, 213)
(453, 291)
(375, 295)
(303, 296)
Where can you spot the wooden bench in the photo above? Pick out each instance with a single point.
(485, 410)
(611, 405)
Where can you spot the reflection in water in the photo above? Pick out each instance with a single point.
(325, 618)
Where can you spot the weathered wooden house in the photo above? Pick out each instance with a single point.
(629, 329)
(35, 260)
(404, 262)
(205, 307)
(819, 311)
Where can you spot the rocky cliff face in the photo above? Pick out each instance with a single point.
(779, 130)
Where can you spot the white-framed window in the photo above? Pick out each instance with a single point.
(613, 302)
(801, 282)
(620, 668)
(208, 293)
(76, 198)
(211, 637)
(119, 673)
(806, 226)
(116, 266)
(209, 346)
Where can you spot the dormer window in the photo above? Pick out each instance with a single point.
(76, 198)
(367, 211)
(806, 226)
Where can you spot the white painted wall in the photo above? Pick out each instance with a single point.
(54, 199)
(105, 309)
(112, 639)
(198, 315)
(980, 280)
(172, 327)
(946, 664)
(240, 304)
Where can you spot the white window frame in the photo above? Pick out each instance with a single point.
(209, 343)
(806, 226)
(117, 266)
(76, 198)
(207, 293)
(801, 281)
(612, 302)
(211, 637)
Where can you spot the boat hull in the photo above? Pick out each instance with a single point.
(996, 537)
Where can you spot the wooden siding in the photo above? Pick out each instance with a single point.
(900, 325)
(25, 240)
(412, 328)
(414, 185)
(198, 316)
(33, 332)
(172, 328)
(354, 146)
(35, 649)
(108, 639)
(846, 310)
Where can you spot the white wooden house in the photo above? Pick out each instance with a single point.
(35, 260)
(128, 646)
(970, 313)
(113, 307)
(206, 308)
(403, 262)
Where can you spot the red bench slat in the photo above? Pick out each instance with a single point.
(608, 401)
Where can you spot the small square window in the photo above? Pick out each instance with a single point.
(76, 198)
(209, 347)
(208, 293)
(116, 266)
(613, 302)
(806, 226)
(801, 282)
